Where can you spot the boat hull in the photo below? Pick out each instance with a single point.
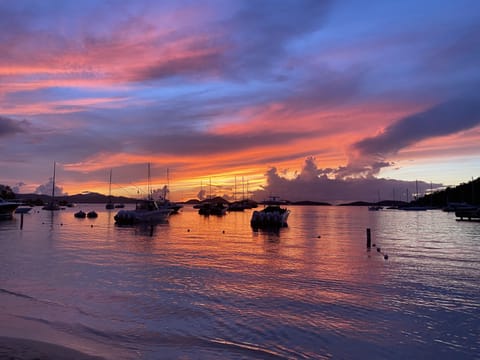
(130, 217)
(270, 217)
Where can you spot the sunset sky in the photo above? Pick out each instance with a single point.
(298, 98)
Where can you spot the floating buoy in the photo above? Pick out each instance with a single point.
(91, 226)
(318, 237)
(223, 232)
(385, 257)
(188, 230)
(378, 249)
(374, 245)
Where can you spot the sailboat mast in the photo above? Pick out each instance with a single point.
(416, 190)
(168, 185)
(110, 185)
(243, 188)
(148, 182)
(53, 182)
(235, 190)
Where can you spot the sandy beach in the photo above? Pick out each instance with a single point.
(25, 349)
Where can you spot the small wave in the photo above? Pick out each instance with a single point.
(43, 301)
(16, 294)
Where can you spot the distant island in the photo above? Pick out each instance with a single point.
(64, 200)
(464, 193)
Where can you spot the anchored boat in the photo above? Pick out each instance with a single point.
(270, 217)
(146, 211)
(7, 208)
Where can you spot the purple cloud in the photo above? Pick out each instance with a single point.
(370, 155)
(10, 127)
(312, 184)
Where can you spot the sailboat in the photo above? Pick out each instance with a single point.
(110, 204)
(52, 206)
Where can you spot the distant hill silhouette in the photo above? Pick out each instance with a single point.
(91, 197)
(464, 193)
(380, 203)
(310, 203)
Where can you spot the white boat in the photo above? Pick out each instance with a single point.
(270, 217)
(146, 211)
(7, 208)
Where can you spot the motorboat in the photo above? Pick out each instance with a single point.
(7, 208)
(209, 208)
(270, 217)
(146, 211)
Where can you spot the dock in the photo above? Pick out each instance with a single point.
(472, 214)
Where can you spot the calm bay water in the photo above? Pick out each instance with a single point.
(209, 287)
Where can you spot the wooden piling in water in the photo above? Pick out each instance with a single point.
(21, 221)
(369, 239)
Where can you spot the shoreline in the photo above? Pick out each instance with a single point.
(27, 349)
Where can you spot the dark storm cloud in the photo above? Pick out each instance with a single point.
(443, 119)
(10, 127)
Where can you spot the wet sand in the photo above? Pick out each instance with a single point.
(25, 349)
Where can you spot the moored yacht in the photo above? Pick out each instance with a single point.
(146, 211)
(273, 216)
